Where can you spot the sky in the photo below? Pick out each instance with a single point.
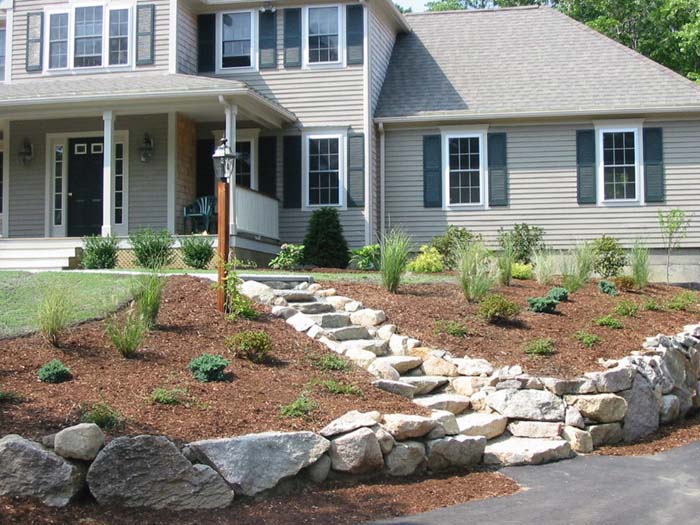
(416, 5)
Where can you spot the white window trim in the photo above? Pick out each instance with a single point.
(342, 61)
(220, 69)
(70, 11)
(637, 129)
(245, 135)
(342, 136)
(461, 133)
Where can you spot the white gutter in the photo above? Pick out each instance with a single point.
(382, 188)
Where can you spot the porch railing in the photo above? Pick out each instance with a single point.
(256, 213)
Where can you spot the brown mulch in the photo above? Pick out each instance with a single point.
(188, 326)
(339, 503)
(416, 309)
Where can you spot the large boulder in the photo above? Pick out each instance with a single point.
(580, 440)
(437, 366)
(257, 291)
(81, 441)
(482, 424)
(613, 380)
(468, 386)
(670, 407)
(536, 405)
(149, 471)
(425, 384)
(525, 451)
(603, 408)
(29, 470)
(457, 451)
(402, 363)
(568, 386)
(368, 317)
(350, 421)
(474, 367)
(357, 452)
(642, 417)
(605, 434)
(257, 462)
(403, 426)
(451, 402)
(395, 387)
(535, 429)
(405, 458)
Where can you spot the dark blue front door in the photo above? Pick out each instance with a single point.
(85, 186)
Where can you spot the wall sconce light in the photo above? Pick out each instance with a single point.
(147, 148)
(268, 7)
(26, 154)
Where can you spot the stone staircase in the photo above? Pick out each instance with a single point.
(40, 254)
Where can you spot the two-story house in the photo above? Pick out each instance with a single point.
(110, 111)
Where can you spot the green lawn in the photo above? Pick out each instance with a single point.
(90, 295)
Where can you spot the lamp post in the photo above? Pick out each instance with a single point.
(224, 159)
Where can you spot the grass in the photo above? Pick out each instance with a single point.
(93, 295)
(541, 347)
(127, 335)
(453, 328)
(587, 339)
(338, 388)
(330, 363)
(103, 415)
(610, 321)
(163, 396)
(301, 407)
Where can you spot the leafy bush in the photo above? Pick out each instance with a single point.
(447, 245)
(683, 301)
(610, 321)
(522, 272)
(366, 258)
(237, 304)
(558, 294)
(526, 240)
(476, 276)
(543, 305)
(653, 305)
(331, 363)
(163, 396)
(607, 288)
(342, 389)
(147, 291)
(394, 258)
(208, 367)
(197, 251)
(53, 314)
(543, 347)
(674, 228)
(453, 328)
(428, 260)
(639, 264)
(626, 308)
(505, 260)
(127, 337)
(496, 308)
(577, 266)
(545, 266)
(153, 249)
(253, 346)
(324, 244)
(302, 407)
(587, 339)
(290, 257)
(54, 372)
(102, 415)
(624, 282)
(99, 252)
(610, 257)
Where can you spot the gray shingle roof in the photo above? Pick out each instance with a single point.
(526, 61)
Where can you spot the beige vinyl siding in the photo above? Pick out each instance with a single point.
(542, 172)
(186, 38)
(382, 39)
(19, 37)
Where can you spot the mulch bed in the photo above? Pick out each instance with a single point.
(416, 309)
(188, 326)
(340, 503)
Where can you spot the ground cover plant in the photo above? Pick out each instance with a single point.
(522, 272)
(453, 328)
(209, 367)
(495, 308)
(339, 388)
(587, 339)
(302, 407)
(102, 415)
(164, 396)
(250, 345)
(610, 321)
(608, 288)
(683, 301)
(543, 305)
(558, 294)
(626, 308)
(540, 347)
(54, 372)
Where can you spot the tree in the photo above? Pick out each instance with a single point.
(402, 9)
(674, 228)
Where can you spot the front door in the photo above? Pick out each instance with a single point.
(85, 186)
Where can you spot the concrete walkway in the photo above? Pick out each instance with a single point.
(605, 490)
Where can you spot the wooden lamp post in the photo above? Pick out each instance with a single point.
(224, 159)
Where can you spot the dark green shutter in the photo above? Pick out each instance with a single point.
(291, 171)
(206, 43)
(498, 169)
(267, 165)
(356, 170)
(586, 166)
(654, 184)
(292, 37)
(268, 40)
(432, 171)
(145, 34)
(35, 35)
(355, 33)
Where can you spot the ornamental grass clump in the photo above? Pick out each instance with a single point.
(54, 372)
(207, 368)
(99, 252)
(577, 266)
(127, 336)
(340, 389)
(395, 248)
(640, 264)
(330, 363)
(147, 291)
(250, 345)
(496, 308)
(544, 266)
(53, 314)
(102, 415)
(475, 271)
(505, 260)
(197, 251)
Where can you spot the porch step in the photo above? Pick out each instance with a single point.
(39, 254)
(22, 243)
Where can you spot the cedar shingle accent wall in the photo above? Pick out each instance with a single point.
(186, 156)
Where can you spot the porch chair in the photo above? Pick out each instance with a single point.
(203, 210)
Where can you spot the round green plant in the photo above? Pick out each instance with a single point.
(208, 367)
(54, 372)
(558, 294)
(543, 305)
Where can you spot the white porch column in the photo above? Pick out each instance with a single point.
(231, 114)
(107, 149)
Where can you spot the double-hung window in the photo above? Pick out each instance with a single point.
(2, 53)
(118, 37)
(619, 166)
(324, 180)
(58, 41)
(323, 34)
(237, 39)
(88, 36)
(464, 168)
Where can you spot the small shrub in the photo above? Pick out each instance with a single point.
(428, 260)
(607, 288)
(324, 244)
(542, 347)
(505, 260)
(543, 305)
(624, 282)
(526, 241)
(394, 259)
(99, 252)
(683, 301)
(652, 305)
(587, 339)
(54, 372)
(302, 407)
(290, 257)
(208, 367)
(626, 308)
(153, 249)
(674, 228)
(9, 397)
(610, 321)
(147, 291)
(253, 346)
(522, 272)
(163, 396)
(639, 264)
(342, 389)
(476, 275)
(102, 415)
(53, 314)
(447, 245)
(331, 363)
(610, 257)
(545, 266)
(496, 308)
(128, 336)
(197, 251)
(558, 294)
(366, 258)
(453, 328)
